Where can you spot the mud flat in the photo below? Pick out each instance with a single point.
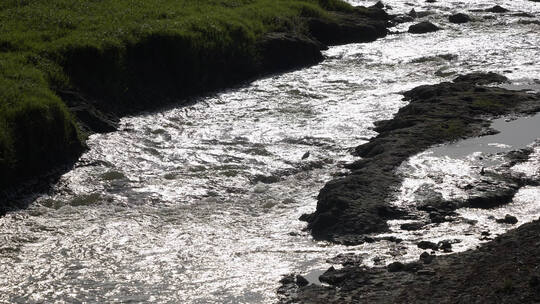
(503, 270)
(357, 204)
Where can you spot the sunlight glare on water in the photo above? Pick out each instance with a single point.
(200, 203)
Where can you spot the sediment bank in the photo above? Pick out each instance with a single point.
(357, 204)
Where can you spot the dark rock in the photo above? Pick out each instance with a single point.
(413, 14)
(497, 9)
(379, 4)
(346, 259)
(265, 179)
(459, 18)
(445, 245)
(488, 195)
(395, 267)
(427, 245)
(423, 27)
(412, 226)
(287, 279)
(481, 78)
(508, 219)
(524, 14)
(301, 281)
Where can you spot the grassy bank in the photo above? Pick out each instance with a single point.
(124, 54)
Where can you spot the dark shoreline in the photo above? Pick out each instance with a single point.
(152, 85)
(504, 270)
(356, 204)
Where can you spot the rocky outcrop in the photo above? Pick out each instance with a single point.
(423, 27)
(497, 9)
(459, 18)
(357, 204)
(504, 270)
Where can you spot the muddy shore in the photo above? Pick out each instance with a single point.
(357, 204)
(501, 271)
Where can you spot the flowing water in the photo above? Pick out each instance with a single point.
(200, 203)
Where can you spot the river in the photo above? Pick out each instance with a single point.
(200, 203)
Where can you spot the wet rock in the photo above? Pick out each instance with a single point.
(287, 279)
(423, 27)
(333, 276)
(508, 219)
(301, 281)
(481, 78)
(427, 245)
(459, 18)
(379, 4)
(392, 239)
(265, 179)
(474, 276)
(412, 226)
(346, 259)
(524, 15)
(497, 9)
(537, 22)
(306, 155)
(488, 194)
(413, 14)
(445, 246)
(395, 267)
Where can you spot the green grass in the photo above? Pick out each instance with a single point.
(120, 51)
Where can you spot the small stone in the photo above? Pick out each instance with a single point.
(412, 226)
(497, 9)
(459, 18)
(445, 245)
(379, 4)
(301, 281)
(508, 219)
(427, 245)
(423, 27)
